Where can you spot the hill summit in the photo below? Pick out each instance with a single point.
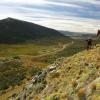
(16, 31)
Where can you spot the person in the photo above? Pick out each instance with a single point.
(89, 43)
(98, 33)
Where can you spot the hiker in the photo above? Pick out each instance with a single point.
(98, 33)
(89, 43)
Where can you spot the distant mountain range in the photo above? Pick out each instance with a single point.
(68, 33)
(78, 35)
(16, 31)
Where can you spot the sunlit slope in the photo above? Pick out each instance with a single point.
(77, 77)
(73, 78)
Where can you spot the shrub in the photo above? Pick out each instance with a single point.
(11, 74)
(74, 83)
(97, 67)
(95, 97)
(39, 87)
(54, 75)
(36, 98)
(64, 95)
(34, 70)
(80, 72)
(55, 97)
(93, 87)
(82, 94)
(16, 57)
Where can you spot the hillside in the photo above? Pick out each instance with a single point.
(73, 78)
(16, 31)
(77, 78)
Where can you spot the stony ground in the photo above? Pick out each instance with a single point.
(73, 78)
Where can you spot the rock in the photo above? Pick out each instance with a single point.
(51, 68)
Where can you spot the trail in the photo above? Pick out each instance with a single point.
(51, 53)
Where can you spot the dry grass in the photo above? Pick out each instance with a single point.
(93, 87)
(74, 83)
(81, 92)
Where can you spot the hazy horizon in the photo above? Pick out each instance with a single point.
(75, 15)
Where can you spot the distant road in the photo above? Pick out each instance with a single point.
(53, 52)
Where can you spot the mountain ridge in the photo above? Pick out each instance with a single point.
(15, 30)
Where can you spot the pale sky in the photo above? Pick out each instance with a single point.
(67, 15)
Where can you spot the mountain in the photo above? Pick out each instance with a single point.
(68, 33)
(79, 35)
(16, 31)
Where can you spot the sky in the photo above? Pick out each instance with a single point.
(67, 15)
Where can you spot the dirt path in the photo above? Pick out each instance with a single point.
(54, 52)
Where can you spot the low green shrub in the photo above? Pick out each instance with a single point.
(11, 73)
(39, 87)
(35, 70)
(54, 75)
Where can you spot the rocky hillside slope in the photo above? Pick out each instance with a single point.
(73, 78)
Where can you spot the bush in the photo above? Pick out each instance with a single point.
(36, 98)
(82, 94)
(55, 97)
(64, 95)
(74, 83)
(39, 87)
(93, 87)
(11, 74)
(35, 70)
(16, 57)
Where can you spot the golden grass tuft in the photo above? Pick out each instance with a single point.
(93, 87)
(64, 95)
(36, 98)
(81, 92)
(74, 83)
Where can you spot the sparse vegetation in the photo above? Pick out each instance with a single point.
(82, 94)
(81, 74)
(35, 70)
(78, 67)
(72, 49)
(11, 73)
(93, 87)
(54, 75)
(74, 83)
(39, 87)
(32, 49)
